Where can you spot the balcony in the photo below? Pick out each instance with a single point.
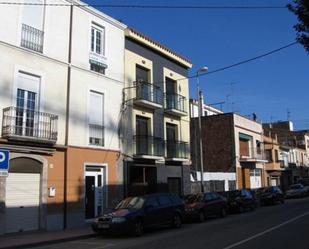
(175, 104)
(29, 125)
(148, 147)
(148, 95)
(254, 154)
(177, 150)
(32, 38)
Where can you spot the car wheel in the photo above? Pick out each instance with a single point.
(201, 216)
(176, 223)
(138, 228)
(223, 212)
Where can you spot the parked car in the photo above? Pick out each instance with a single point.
(305, 183)
(256, 194)
(296, 191)
(200, 206)
(271, 195)
(239, 200)
(134, 214)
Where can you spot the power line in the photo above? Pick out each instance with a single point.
(147, 6)
(241, 62)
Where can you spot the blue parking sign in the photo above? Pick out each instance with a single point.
(4, 160)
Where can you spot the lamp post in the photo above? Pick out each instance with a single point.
(199, 96)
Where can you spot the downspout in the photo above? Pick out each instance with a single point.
(65, 185)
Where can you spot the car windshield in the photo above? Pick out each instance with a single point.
(193, 198)
(297, 186)
(131, 202)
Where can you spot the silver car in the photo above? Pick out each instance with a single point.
(296, 191)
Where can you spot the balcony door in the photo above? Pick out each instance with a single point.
(142, 79)
(142, 139)
(171, 91)
(27, 105)
(171, 137)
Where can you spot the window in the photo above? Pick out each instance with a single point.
(268, 155)
(164, 200)
(152, 201)
(276, 156)
(97, 62)
(97, 39)
(258, 147)
(142, 74)
(244, 144)
(97, 67)
(96, 119)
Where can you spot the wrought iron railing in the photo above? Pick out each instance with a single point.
(148, 92)
(32, 38)
(148, 145)
(29, 124)
(96, 135)
(176, 102)
(177, 149)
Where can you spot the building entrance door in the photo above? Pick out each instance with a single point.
(94, 191)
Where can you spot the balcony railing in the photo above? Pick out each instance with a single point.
(177, 149)
(254, 153)
(148, 92)
(96, 135)
(175, 102)
(32, 38)
(148, 146)
(25, 124)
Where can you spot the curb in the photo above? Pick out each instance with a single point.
(50, 242)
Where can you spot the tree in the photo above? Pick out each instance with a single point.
(301, 9)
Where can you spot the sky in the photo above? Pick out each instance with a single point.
(275, 87)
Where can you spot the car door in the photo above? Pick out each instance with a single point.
(152, 211)
(217, 203)
(209, 204)
(166, 209)
(246, 198)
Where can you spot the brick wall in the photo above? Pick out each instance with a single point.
(218, 143)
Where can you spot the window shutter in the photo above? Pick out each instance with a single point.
(32, 15)
(96, 108)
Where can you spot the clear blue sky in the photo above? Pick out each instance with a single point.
(216, 38)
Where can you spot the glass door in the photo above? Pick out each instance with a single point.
(25, 113)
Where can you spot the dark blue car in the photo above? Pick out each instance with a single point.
(134, 214)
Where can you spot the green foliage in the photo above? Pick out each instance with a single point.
(301, 9)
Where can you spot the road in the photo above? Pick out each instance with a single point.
(270, 227)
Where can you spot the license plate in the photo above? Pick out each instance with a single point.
(104, 226)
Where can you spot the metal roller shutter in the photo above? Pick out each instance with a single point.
(22, 202)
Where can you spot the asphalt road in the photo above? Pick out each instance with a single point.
(270, 227)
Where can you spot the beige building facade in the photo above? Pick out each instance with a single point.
(156, 108)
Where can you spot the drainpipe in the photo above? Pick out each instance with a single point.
(65, 185)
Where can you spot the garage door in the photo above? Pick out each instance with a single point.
(22, 202)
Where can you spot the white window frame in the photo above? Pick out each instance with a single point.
(101, 29)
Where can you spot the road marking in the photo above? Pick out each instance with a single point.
(94, 244)
(266, 231)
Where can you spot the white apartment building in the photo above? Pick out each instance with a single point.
(61, 80)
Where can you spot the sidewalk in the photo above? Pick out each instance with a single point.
(28, 239)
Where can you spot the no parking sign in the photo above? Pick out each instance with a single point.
(4, 162)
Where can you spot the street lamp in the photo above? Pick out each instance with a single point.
(202, 70)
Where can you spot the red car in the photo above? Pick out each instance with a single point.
(200, 206)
